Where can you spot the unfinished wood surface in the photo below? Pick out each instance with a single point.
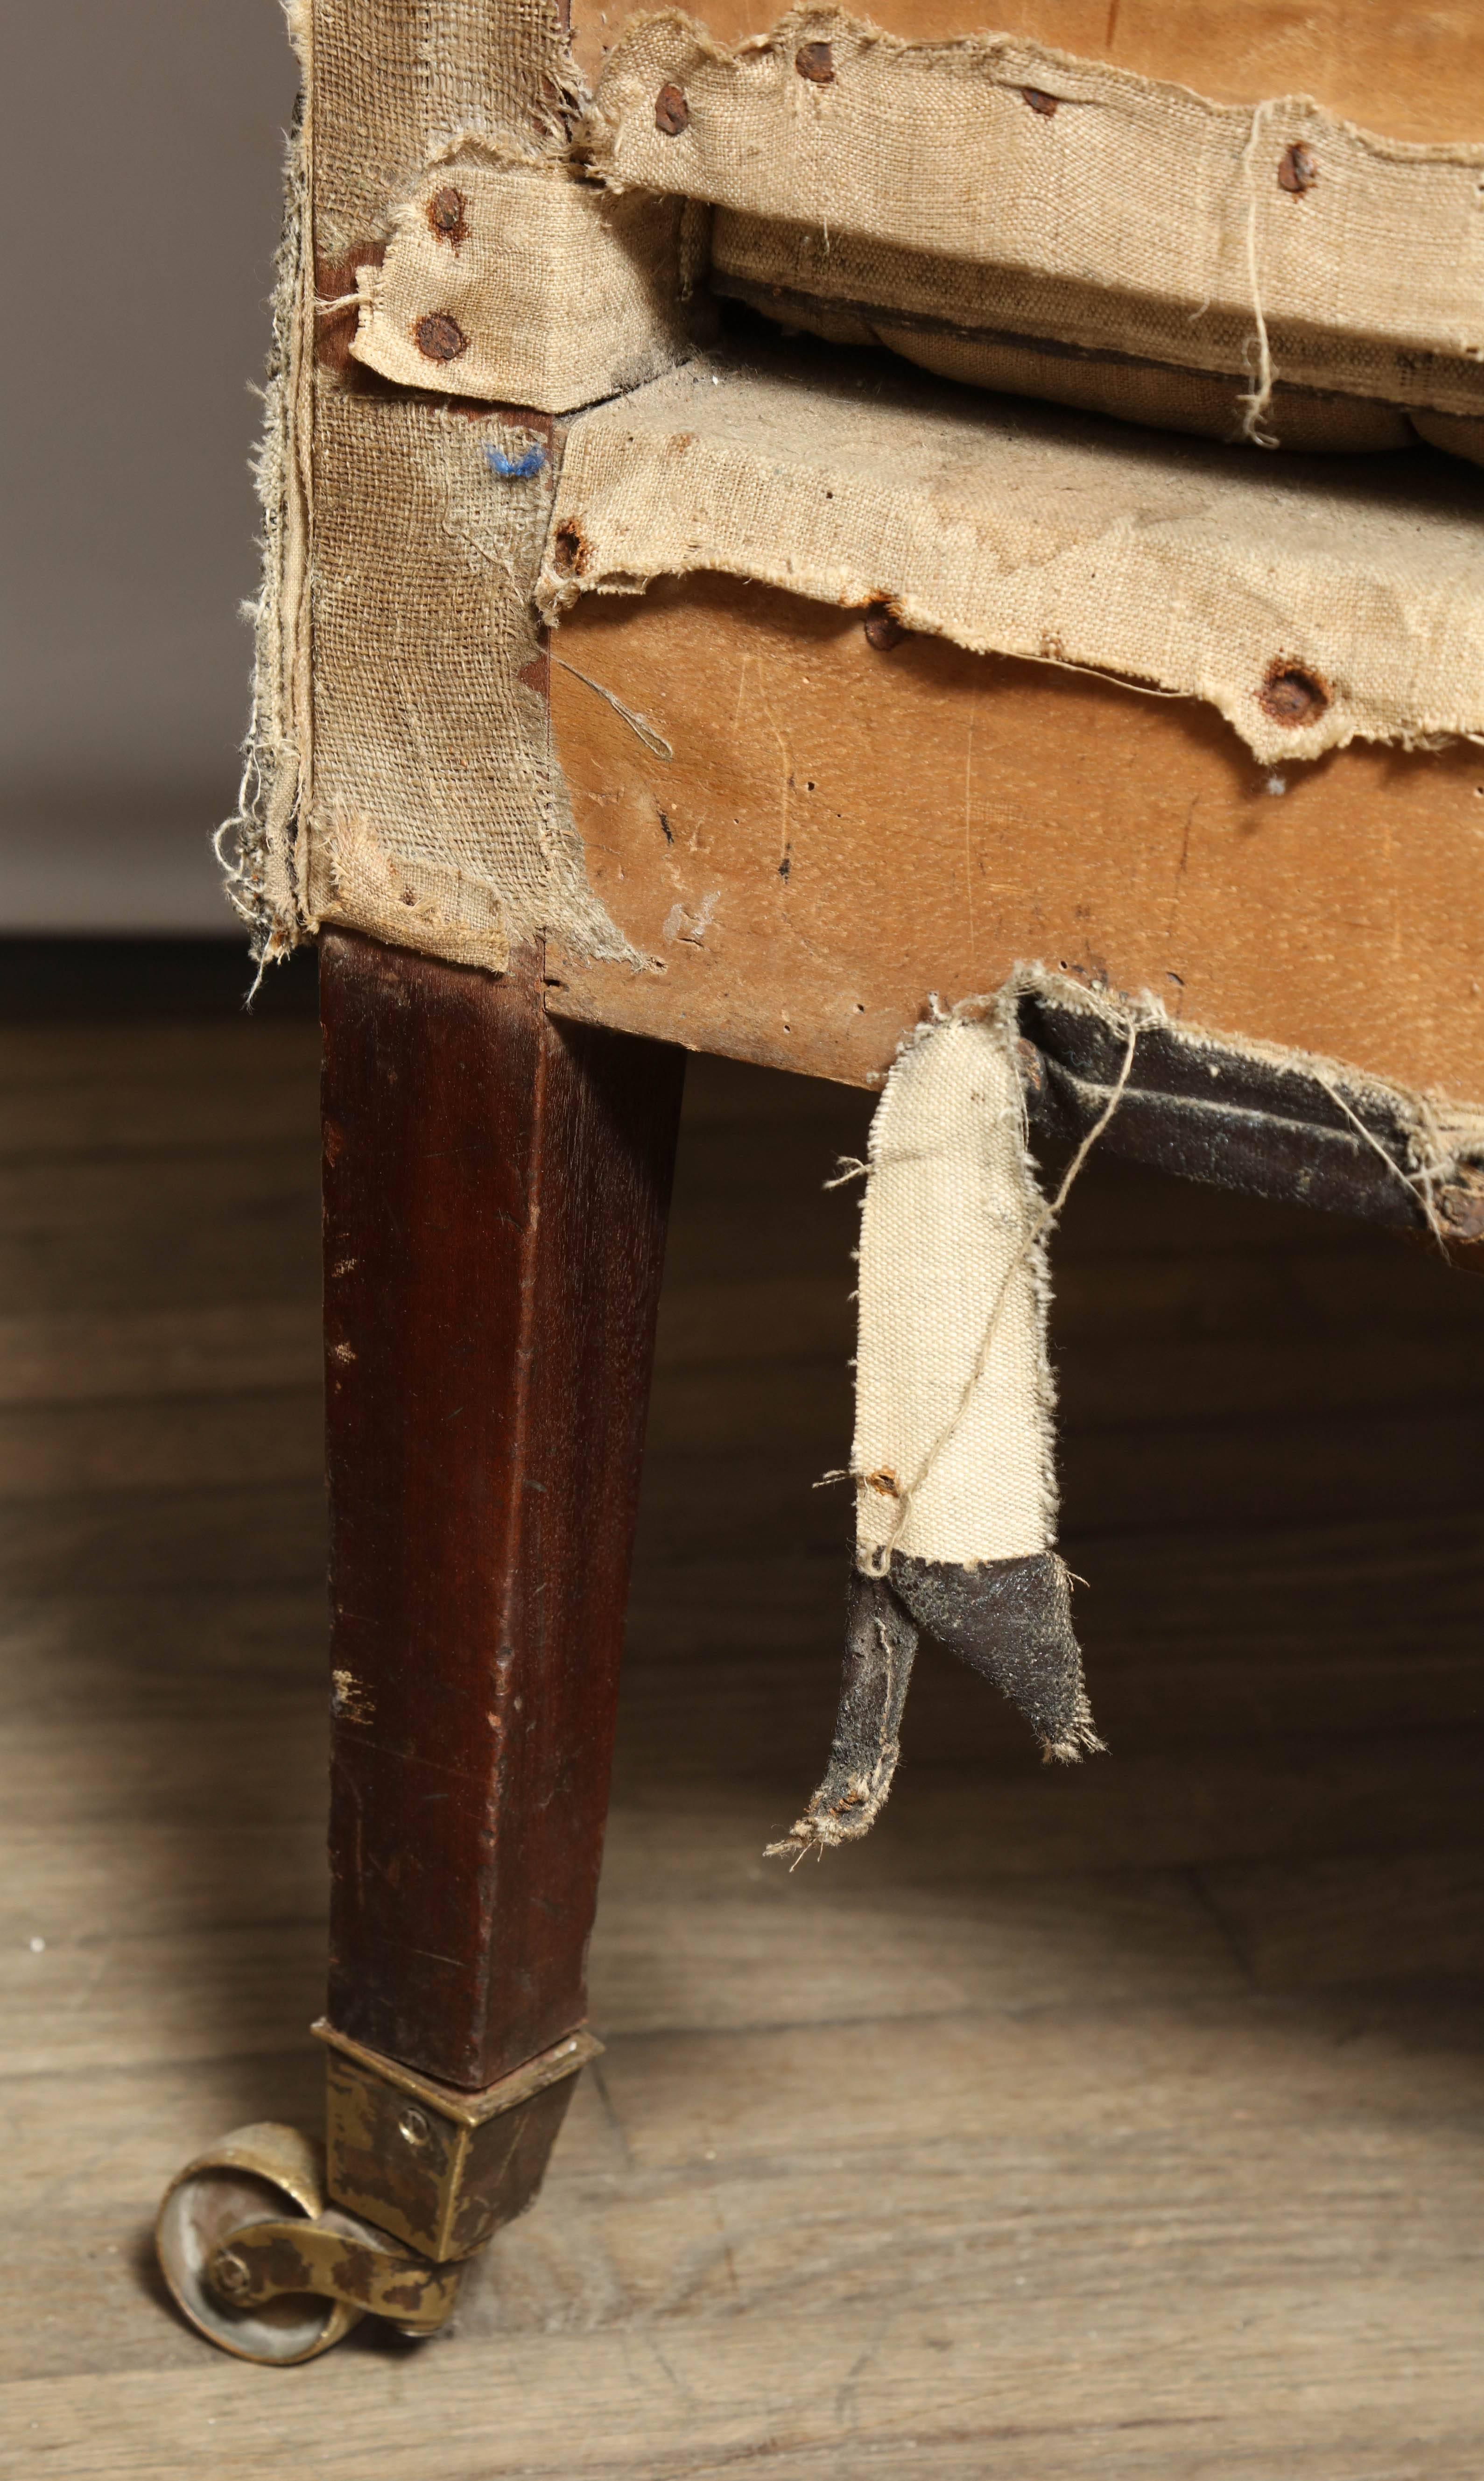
(844, 830)
(1407, 69)
(1125, 2122)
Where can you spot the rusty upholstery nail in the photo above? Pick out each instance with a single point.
(1297, 170)
(569, 552)
(440, 337)
(816, 62)
(1292, 696)
(884, 630)
(672, 113)
(446, 214)
(1039, 101)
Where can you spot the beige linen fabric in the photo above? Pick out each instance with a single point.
(561, 292)
(438, 820)
(1310, 602)
(1133, 216)
(955, 1402)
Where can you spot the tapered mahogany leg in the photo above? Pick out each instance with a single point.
(495, 1196)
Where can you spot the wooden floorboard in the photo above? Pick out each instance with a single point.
(1124, 2122)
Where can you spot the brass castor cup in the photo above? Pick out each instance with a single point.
(265, 2242)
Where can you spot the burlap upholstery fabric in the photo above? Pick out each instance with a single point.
(398, 85)
(558, 291)
(1460, 437)
(1155, 394)
(1021, 531)
(1134, 217)
(397, 771)
(439, 819)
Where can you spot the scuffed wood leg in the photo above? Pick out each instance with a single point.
(495, 1197)
(496, 1189)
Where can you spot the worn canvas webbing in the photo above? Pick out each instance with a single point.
(439, 821)
(999, 185)
(526, 286)
(1309, 601)
(952, 1459)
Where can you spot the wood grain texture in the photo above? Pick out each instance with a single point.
(844, 831)
(495, 1198)
(1414, 69)
(1115, 2123)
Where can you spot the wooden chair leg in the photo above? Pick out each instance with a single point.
(496, 1188)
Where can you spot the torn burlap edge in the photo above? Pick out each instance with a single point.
(304, 844)
(1310, 607)
(997, 1597)
(258, 847)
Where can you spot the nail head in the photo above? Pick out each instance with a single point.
(440, 337)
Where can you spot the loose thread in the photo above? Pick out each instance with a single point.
(1259, 396)
(654, 742)
(1418, 1185)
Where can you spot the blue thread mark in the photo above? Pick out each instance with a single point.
(517, 469)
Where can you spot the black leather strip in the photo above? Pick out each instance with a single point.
(1010, 1619)
(1211, 1113)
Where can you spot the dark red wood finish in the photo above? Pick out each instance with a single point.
(496, 1188)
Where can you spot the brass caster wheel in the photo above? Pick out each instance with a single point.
(255, 2177)
(261, 2264)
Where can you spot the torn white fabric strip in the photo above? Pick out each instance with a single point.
(1311, 605)
(952, 1456)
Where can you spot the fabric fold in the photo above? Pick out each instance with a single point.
(953, 1454)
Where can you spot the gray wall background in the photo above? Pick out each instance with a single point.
(143, 156)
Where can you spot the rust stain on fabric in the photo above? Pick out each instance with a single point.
(1297, 170)
(1293, 695)
(445, 215)
(816, 62)
(439, 337)
(672, 113)
(569, 551)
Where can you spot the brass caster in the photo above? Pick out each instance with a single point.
(264, 2270)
